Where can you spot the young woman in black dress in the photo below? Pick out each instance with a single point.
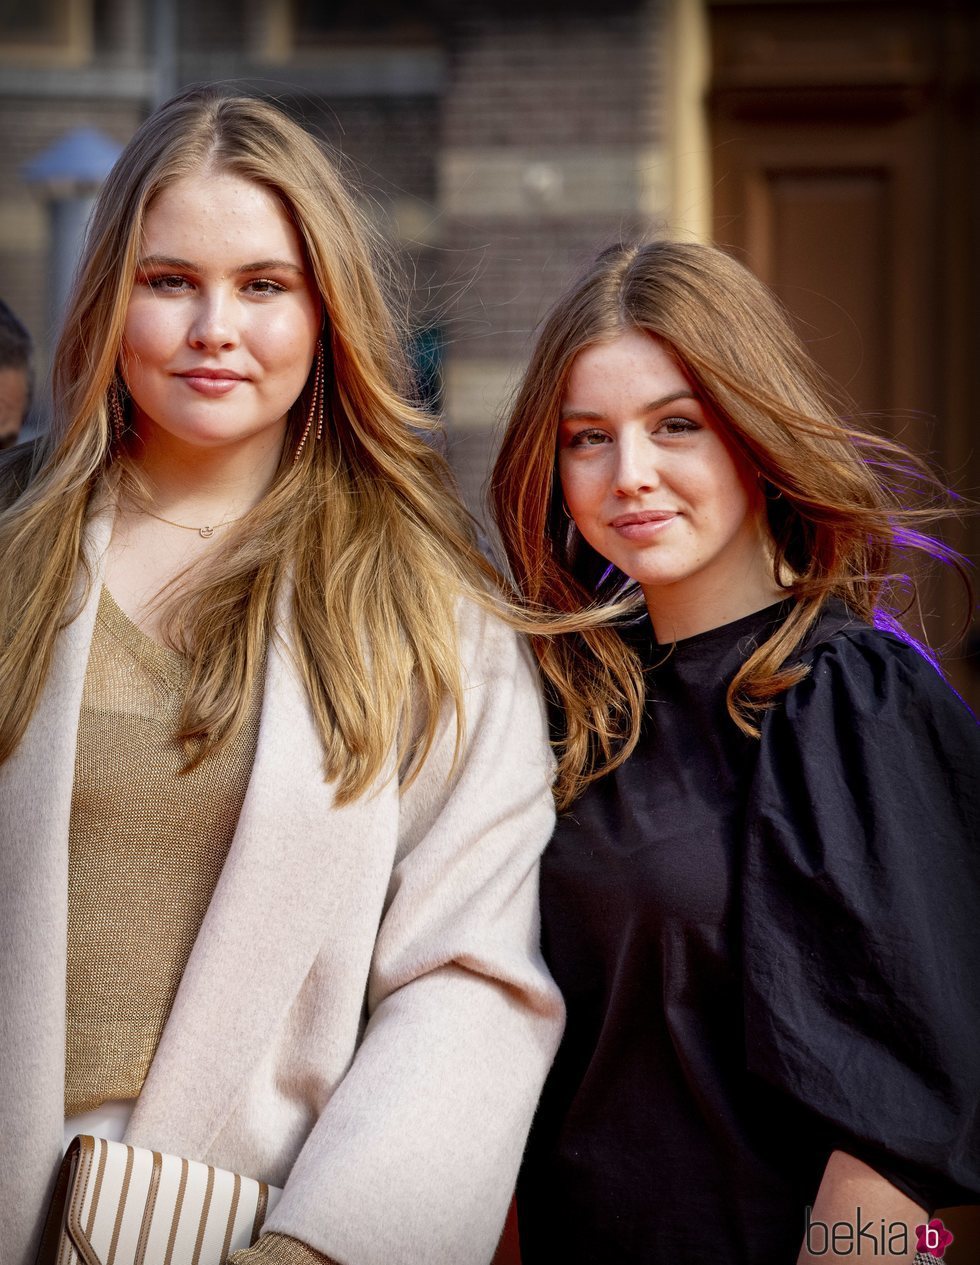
(761, 902)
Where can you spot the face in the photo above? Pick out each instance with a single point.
(654, 488)
(223, 320)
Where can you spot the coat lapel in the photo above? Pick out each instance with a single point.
(35, 805)
(295, 869)
(295, 865)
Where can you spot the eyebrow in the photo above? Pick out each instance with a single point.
(585, 415)
(260, 265)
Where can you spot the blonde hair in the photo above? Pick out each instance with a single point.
(835, 494)
(365, 526)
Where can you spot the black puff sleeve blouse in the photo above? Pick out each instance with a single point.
(769, 950)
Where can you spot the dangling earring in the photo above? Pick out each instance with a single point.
(316, 405)
(116, 413)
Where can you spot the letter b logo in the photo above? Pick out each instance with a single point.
(813, 1229)
(933, 1237)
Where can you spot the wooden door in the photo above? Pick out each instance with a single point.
(845, 147)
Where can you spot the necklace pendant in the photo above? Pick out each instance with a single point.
(206, 532)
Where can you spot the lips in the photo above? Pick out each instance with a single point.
(643, 516)
(222, 375)
(644, 526)
(211, 382)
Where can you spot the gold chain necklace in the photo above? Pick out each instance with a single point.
(207, 531)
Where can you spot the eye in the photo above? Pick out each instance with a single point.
(677, 426)
(587, 438)
(263, 285)
(170, 283)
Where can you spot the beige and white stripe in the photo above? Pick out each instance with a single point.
(127, 1206)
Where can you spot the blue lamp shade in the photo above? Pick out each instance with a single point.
(83, 156)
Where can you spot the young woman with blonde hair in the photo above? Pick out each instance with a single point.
(273, 777)
(762, 898)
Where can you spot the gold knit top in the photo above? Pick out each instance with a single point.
(145, 850)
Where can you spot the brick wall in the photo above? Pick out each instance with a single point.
(498, 158)
(551, 149)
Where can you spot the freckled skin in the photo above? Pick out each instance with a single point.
(636, 443)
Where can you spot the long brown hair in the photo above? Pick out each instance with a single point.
(836, 495)
(365, 525)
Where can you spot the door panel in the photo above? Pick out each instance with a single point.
(841, 137)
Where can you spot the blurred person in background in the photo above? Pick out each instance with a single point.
(16, 376)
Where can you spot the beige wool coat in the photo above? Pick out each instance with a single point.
(364, 1019)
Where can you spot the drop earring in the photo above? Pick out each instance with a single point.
(116, 414)
(316, 405)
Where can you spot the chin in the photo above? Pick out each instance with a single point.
(654, 578)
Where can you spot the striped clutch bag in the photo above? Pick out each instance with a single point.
(121, 1205)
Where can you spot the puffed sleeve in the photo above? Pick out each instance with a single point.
(862, 913)
(415, 1156)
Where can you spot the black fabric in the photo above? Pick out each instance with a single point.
(769, 949)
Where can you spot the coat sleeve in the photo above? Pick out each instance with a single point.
(416, 1154)
(861, 914)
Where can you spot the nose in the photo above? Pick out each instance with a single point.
(636, 465)
(214, 327)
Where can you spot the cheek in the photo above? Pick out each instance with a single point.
(745, 490)
(728, 492)
(149, 335)
(581, 485)
(286, 342)
(726, 489)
